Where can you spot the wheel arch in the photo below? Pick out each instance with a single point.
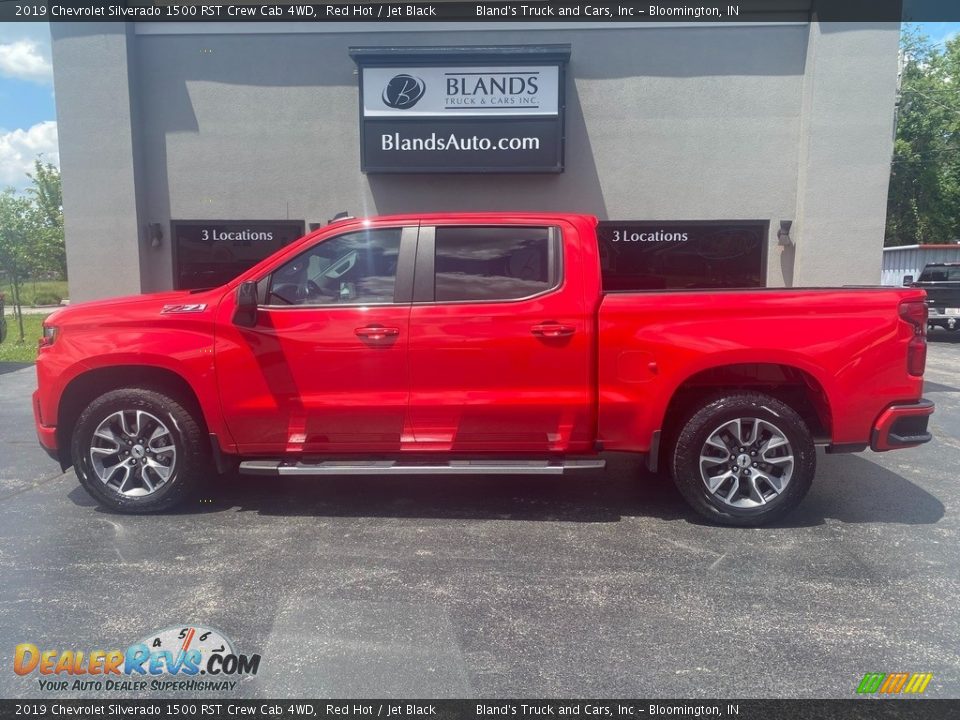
(795, 386)
(91, 384)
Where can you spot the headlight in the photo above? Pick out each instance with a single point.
(49, 335)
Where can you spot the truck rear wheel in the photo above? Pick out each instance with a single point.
(744, 459)
(137, 450)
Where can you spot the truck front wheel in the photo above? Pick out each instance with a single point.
(744, 459)
(138, 450)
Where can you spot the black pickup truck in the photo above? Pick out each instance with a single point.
(942, 283)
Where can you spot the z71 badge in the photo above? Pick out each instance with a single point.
(193, 308)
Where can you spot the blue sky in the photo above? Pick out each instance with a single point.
(28, 117)
(939, 32)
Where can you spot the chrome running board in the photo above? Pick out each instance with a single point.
(418, 467)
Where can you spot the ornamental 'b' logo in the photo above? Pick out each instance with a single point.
(403, 92)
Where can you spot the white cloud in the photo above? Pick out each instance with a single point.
(25, 60)
(36, 31)
(19, 148)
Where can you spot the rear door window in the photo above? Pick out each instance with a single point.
(483, 264)
(940, 274)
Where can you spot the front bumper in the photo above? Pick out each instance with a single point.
(902, 425)
(45, 433)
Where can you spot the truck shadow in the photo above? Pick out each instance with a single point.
(929, 387)
(943, 336)
(853, 489)
(847, 489)
(8, 367)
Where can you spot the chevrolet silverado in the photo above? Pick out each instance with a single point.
(476, 343)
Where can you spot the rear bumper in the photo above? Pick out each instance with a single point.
(950, 322)
(940, 316)
(902, 425)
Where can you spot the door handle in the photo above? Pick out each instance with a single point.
(552, 329)
(376, 332)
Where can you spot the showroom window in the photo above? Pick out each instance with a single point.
(492, 263)
(689, 254)
(209, 253)
(355, 268)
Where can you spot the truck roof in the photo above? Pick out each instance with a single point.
(478, 216)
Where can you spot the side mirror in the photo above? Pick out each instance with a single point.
(907, 280)
(245, 314)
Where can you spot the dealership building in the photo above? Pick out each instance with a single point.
(727, 153)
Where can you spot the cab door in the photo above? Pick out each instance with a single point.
(325, 368)
(500, 354)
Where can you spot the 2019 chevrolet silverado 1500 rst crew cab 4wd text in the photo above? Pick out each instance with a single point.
(475, 343)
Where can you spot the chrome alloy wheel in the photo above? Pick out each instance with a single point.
(133, 453)
(746, 462)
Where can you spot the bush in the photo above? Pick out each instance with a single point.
(46, 298)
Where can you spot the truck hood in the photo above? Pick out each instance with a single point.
(137, 306)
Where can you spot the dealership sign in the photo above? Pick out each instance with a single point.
(472, 90)
(496, 109)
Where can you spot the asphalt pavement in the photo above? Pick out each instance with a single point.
(600, 585)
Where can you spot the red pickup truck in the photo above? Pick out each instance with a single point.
(476, 343)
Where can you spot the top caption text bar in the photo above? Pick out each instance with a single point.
(531, 11)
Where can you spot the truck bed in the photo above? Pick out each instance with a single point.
(653, 343)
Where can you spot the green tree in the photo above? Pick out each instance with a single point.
(15, 251)
(31, 233)
(924, 198)
(46, 219)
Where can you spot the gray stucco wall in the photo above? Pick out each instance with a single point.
(847, 146)
(763, 122)
(95, 127)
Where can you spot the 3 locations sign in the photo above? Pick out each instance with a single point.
(497, 109)
(654, 255)
(208, 253)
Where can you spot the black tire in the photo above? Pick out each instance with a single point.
(190, 467)
(691, 444)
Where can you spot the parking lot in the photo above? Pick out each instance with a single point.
(602, 585)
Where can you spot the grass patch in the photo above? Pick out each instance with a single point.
(10, 350)
(48, 292)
